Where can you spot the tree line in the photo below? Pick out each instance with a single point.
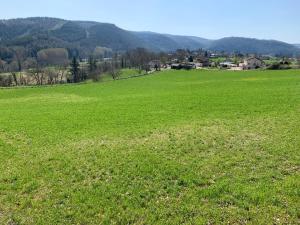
(55, 66)
(18, 67)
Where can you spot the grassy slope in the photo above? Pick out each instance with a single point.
(171, 148)
(125, 73)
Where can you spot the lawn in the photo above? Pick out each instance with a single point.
(175, 147)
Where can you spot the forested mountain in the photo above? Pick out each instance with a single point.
(82, 37)
(167, 42)
(251, 45)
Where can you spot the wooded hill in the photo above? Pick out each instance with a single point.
(82, 37)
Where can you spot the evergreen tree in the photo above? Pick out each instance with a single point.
(75, 71)
(123, 63)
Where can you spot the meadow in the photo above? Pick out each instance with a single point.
(124, 74)
(174, 147)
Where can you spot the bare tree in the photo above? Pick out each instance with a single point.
(114, 69)
(94, 71)
(6, 80)
(62, 71)
(140, 58)
(164, 58)
(12, 68)
(19, 57)
(22, 78)
(36, 73)
(29, 62)
(181, 54)
(51, 76)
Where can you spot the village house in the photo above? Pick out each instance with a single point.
(228, 65)
(214, 55)
(203, 62)
(252, 63)
(176, 66)
(189, 66)
(186, 66)
(285, 61)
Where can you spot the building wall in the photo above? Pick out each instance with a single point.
(252, 63)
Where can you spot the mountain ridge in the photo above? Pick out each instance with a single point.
(84, 36)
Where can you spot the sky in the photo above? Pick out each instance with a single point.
(213, 19)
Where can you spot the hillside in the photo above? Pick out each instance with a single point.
(85, 36)
(248, 45)
(167, 42)
(48, 32)
(176, 147)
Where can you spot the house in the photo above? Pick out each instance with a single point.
(228, 65)
(203, 61)
(176, 66)
(186, 66)
(189, 66)
(252, 63)
(214, 55)
(175, 61)
(285, 62)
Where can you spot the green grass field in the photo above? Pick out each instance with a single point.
(124, 73)
(176, 147)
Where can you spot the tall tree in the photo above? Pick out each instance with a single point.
(92, 63)
(36, 72)
(19, 57)
(114, 69)
(93, 70)
(75, 71)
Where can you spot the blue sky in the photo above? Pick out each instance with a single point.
(264, 19)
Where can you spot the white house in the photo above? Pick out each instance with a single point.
(252, 63)
(227, 65)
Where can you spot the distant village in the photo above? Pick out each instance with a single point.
(184, 59)
(204, 62)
